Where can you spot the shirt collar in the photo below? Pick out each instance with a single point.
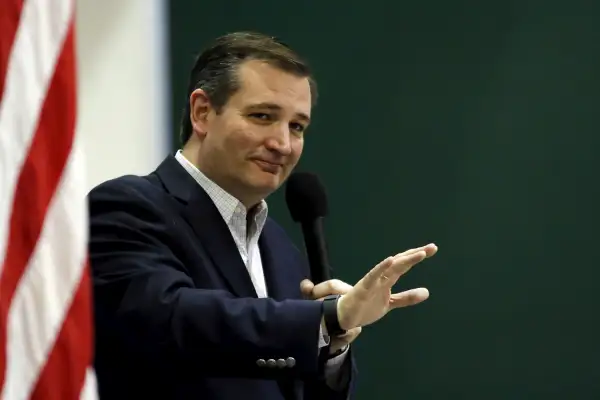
(225, 202)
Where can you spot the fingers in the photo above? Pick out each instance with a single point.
(332, 286)
(392, 268)
(429, 250)
(374, 276)
(409, 298)
(306, 287)
(400, 266)
(403, 262)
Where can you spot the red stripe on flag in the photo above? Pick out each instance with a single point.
(38, 180)
(9, 23)
(64, 374)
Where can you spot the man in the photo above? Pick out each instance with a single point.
(198, 294)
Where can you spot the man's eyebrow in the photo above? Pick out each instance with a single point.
(276, 107)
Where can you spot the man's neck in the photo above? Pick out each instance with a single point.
(248, 202)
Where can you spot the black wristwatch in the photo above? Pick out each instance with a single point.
(330, 315)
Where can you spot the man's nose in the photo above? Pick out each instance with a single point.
(279, 139)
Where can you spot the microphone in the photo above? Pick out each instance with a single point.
(307, 202)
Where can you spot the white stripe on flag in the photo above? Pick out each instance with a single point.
(48, 285)
(38, 42)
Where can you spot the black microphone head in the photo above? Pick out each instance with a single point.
(305, 197)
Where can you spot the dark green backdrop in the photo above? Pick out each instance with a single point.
(470, 123)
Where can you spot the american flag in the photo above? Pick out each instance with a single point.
(45, 294)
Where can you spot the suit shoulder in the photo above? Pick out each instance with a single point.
(128, 185)
(145, 192)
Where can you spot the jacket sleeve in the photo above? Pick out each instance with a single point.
(146, 303)
(344, 389)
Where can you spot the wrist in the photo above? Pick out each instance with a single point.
(331, 316)
(342, 318)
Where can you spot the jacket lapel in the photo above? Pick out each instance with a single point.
(210, 228)
(214, 234)
(279, 264)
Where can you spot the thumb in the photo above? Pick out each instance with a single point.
(409, 298)
(306, 287)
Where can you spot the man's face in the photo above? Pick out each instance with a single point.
(252, 146)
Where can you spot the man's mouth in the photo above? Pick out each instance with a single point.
(268, 166)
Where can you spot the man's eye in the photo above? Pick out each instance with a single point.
(299, 128)
(260, 116)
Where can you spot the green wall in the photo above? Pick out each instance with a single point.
(472, 124)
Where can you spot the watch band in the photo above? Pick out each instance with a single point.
(330, 315)
(339, 352)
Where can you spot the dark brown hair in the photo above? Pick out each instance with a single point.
(215, 69)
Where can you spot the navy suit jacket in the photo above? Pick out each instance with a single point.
(176, 314)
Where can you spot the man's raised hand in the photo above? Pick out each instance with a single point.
(371, 298)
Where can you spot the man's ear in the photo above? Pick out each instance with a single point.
(200, 108)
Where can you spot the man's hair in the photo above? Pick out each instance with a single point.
(215, 69)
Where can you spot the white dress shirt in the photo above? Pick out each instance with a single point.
(246, 234)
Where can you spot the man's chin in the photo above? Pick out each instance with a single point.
(265, 182)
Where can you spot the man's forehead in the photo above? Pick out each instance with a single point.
(263, 83)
